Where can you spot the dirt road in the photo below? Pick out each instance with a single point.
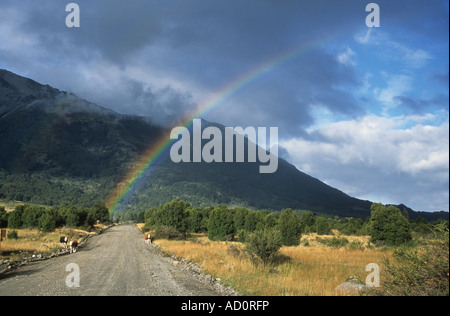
(115, 263)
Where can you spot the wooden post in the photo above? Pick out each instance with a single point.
(2, 235)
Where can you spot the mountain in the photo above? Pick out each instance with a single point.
(58, 148)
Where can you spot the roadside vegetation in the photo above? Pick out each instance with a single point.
(260, 252)
(302, 253)
(33, 229)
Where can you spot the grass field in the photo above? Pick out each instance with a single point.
(32, 241)
(314, 270)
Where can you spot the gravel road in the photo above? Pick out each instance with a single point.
(115, 263)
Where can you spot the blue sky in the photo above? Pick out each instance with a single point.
(365, 110)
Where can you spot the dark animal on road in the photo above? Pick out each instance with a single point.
(73, 246)
(63, 241)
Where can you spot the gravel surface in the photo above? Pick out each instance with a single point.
(115, 263)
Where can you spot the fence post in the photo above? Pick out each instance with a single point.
(2, 235)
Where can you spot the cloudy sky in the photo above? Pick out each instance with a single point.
(365, 110)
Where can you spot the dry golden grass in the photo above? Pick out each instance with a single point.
(32, 241)
(301, 270)
(311, 239)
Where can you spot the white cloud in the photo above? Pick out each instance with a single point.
(375, 157)
(397, 85)
(364, 38)
(346, 58)
(411, 57)
(415, 58)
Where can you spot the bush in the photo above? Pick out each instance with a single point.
(15, 219)
(47, 223)
(421, 271)
(242, 235)
(221, 224)
(333, 242)
(262, 246)
(290, 228)
(322, 226)
(3, 217)
(234, 251)
(12, 235)
(356, 244)
(168, 232)
(388, 225)
(174, 214)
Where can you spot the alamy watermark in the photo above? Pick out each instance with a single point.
(212, 151)
(73, 279)
(73, 18)
(373, 19)
(373, 278)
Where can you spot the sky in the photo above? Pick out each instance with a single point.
(364, 109)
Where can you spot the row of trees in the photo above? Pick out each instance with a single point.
(387, 224)
(48, 219)
(221, 222)
(421, 270)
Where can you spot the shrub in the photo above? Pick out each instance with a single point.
(174, 214)
(322, 226)
(15, 219)
(234, 251)
(356, 244)
(242, 235)
(168, 232)
(3, 217)
(333, 242)
(262, 246)
(221, 224)
(47, 223)
(388, 225)
(12, 235)
(420, 271)
(290, 228)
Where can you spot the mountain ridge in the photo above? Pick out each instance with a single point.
(58, 148)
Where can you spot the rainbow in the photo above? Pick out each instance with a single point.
(160, 149)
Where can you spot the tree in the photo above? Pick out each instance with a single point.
(15, 219)
(263, 245)
(221, 224)
(271, 220)
(198, 220)
(100, 213)
(289, 226)
(174, 214)
(47, 223)
(239, 217)
(140, 218)
(308, 221)
(31, 215)
(388, 225)
(3, 217)
(72, 216)
(251, 220)
(322, 226)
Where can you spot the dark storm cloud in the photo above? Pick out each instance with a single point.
(163, 106)
(162, 58)
(208, 43)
